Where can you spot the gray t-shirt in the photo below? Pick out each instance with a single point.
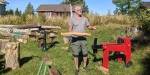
(79, 25)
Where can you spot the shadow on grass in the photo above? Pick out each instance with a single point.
(23, 60)
(53, 44)
(146, 65)
(95, 58)
(2, 65)
(27, 59)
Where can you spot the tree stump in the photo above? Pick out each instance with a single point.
(3, 43)
(12, 55)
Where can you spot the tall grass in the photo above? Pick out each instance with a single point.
(62, 21)
(112, 19)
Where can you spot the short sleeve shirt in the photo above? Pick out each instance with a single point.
(79, 25)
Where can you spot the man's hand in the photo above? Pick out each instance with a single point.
(92, 27)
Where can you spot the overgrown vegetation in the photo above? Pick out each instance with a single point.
(129, 7)
(62, 21)
(63, 61)
(108, 28)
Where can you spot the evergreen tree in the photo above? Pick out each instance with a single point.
(79, 2)
(126, 6)
(17, 12)
(29, 9)
(10, 12)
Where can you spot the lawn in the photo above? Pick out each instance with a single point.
(62, 59)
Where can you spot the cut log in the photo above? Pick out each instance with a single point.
(3, 43)
(51, 27)
(5, 34)
(19, 26)
(75, 33)
(23, 39)
(66, 39)
(29, 26)
(12, 55)
(52, 35)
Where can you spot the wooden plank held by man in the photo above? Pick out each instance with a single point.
(66, 35)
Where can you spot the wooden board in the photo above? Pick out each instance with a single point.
(75, 33)
(30, 26)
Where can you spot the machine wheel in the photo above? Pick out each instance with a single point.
(128, 64)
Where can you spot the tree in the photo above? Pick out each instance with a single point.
(10, 12)
(144, 18)
(79, 2)
(17, 12)
(3, 4)
(126, 6)
(29, 9)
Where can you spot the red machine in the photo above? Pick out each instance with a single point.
(123, 45)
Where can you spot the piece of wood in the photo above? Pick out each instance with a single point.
(19, 26)
(5, 34)
(30, 26)
(51, 27)
(7, 26)
(23, 39)
(75, 33)
(66, 39)
(12, 55)
(3, 43)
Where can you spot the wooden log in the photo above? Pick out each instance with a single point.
(75, 33)
(29, 26)
(51, 27)
(7, 26)
(5, 34)
(66, 39)
(23, 39)
(19, 26)
(3, 43)
(52, 35)
(12, 55)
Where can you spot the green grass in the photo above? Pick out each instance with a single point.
(63, 59)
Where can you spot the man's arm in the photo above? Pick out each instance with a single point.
(69, 26)
(88, 25)
(91, 27)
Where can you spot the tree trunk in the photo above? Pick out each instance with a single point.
(12, 55)
(3, 43)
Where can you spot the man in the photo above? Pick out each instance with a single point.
(78, 23)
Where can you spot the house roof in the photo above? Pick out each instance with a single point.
(54, 7)
(146, 4)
